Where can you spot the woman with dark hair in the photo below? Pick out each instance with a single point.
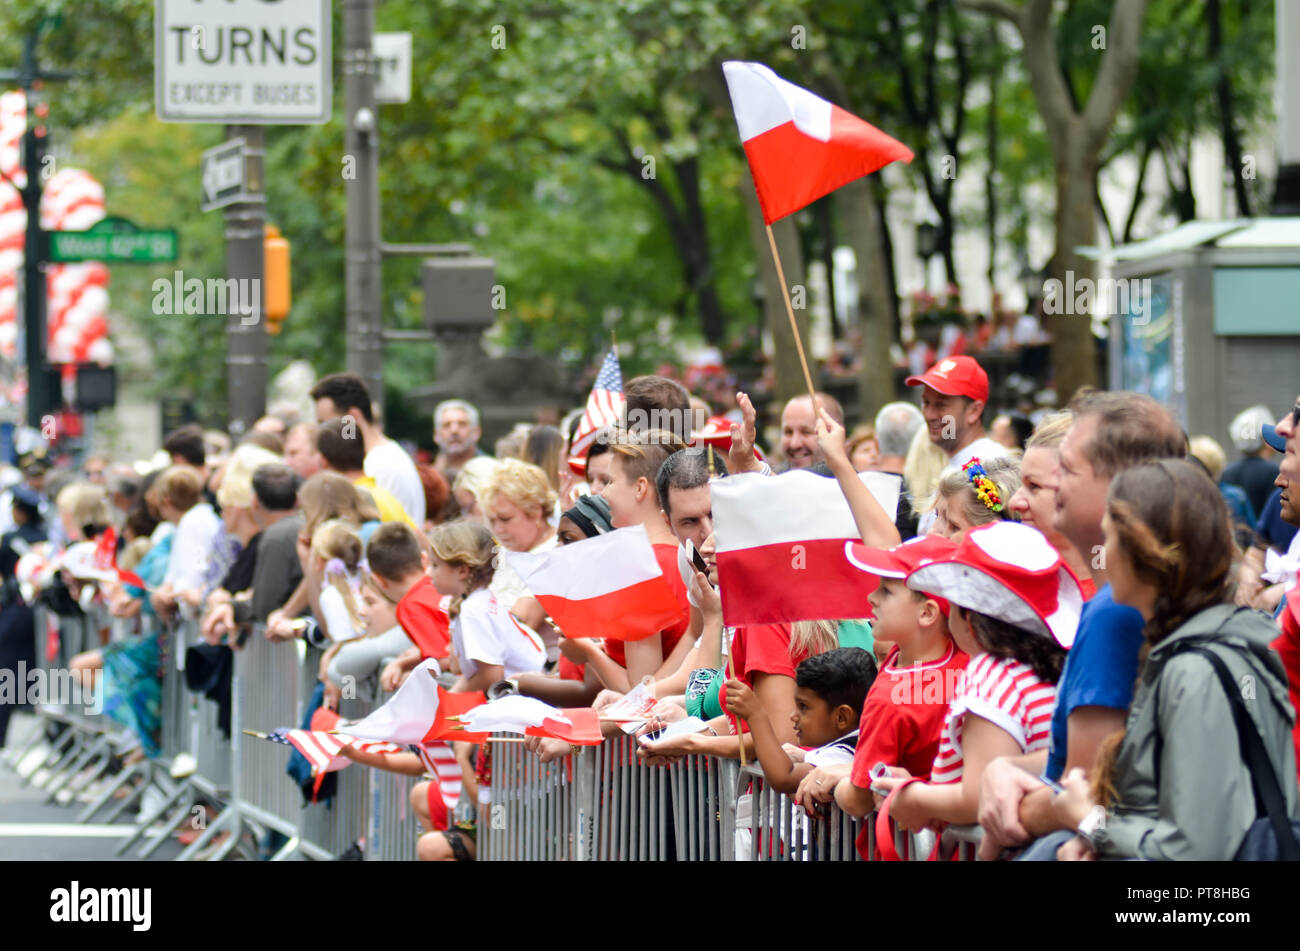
(1175, 784)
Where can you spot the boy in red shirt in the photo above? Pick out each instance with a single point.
(399, 571)
(902, 718)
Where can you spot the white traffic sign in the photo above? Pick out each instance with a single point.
(392, 67)
(224, 181)
(261, 62)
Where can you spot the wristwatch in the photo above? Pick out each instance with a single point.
(1092, 823)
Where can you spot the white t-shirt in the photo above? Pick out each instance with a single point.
(338, 623)
(194, 549)
(390, 466)
(484, 632)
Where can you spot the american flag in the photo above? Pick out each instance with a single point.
(324, 751)
(604, 405)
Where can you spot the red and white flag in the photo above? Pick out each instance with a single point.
(610, 586)
(106, 560)
(419, 712)
(531, 717)
(780, 547)
(800, 147)
(604, 405)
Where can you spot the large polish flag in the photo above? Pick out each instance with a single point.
(780, 547)
(420, 712)
(610, 586)
(800, 147)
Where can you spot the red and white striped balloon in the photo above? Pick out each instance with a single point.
(77, 312)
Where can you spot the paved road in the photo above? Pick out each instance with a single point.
(31, 830)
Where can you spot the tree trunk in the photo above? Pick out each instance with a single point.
(785, 357)
(1074, 361)
(862, 223)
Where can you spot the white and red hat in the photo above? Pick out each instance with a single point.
(900, 561)
(1008, 571)
(955, 376)
(717, 433)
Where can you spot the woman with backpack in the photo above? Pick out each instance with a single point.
(1205, 758)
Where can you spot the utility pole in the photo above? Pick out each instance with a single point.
(41, 398)
(363, 274)
(246, 339)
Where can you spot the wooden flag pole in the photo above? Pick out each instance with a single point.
(794, 328)
(731, 674)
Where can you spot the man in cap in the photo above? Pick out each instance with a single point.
(956, 391)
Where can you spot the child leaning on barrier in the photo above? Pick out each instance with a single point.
(488, 642)
(902, 717)
(399, 571)
(828, 695)
(1015, 609)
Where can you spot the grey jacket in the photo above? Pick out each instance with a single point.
(1205, 802)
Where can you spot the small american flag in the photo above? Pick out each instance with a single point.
(324, 751)
(604, 405)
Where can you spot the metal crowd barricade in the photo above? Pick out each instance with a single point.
(704, 812)
(264, 695)
(534, 812)
(632, 811)
(779, 830)
(327, 829)
(393, 826)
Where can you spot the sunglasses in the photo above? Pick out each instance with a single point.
(1295, 415)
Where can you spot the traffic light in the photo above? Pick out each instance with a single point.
(276, 300)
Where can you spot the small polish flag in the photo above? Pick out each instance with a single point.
(531, 717)
(780, 547)
(419, 712)
(800, 147)
(610, 586)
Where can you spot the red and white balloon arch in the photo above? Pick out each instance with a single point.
(77, 314)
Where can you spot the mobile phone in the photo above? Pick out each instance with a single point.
(696, 558)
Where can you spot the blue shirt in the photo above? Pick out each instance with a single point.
(1100, 668)
(1270, 525)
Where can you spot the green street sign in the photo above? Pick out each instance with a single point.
(114, 240)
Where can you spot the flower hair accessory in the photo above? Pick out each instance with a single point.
(985, 488)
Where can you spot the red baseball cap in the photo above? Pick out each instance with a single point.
(900, 561)
(955, 376)
(1008, 571)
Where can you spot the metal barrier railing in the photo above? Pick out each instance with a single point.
(600, 803)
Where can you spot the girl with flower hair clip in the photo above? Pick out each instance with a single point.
(976, 494)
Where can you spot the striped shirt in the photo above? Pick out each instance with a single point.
(1009, 695)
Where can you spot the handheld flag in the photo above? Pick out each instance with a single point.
(780, 547)
(800, 147)
(418, 712)
(610, 586)
(604, 405)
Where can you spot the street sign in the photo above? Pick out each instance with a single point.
(114, 240)
(261, 62)
(392, 67)
(224, 176)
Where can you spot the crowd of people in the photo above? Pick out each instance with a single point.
(1045, 617)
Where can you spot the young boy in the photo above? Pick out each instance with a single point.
(903, 715)
(828, 696)
(399, 569)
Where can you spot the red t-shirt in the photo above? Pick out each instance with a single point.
(760, 649)
(903, 717)
(666, 555)
(1088, 586)
(568, 670)
(1288, 648)
(425, 622)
